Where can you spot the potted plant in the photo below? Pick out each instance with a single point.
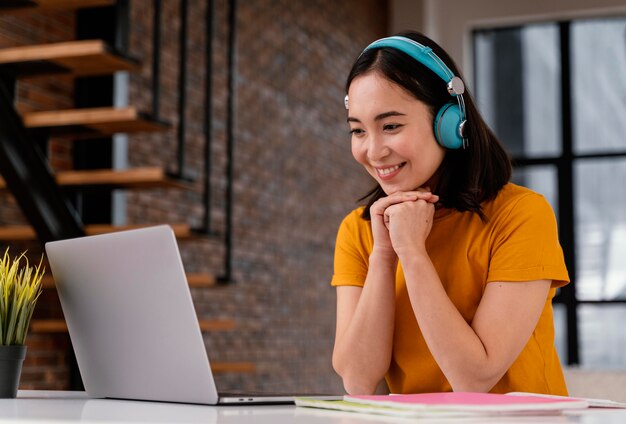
(20, 287)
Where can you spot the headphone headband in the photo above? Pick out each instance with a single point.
(417, 51)
(424, 55)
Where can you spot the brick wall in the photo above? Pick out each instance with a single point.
(294, 175)
(295, 178)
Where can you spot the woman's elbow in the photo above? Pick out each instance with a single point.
(358, 384)
(473, 386)
(354, 382)
(362, 388)
(475, 382)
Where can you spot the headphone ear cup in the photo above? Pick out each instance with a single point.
(446, 126)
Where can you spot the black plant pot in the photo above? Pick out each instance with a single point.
(11, 358)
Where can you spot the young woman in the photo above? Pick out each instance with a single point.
(445, 279)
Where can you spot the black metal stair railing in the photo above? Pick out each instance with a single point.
(182, 172)
(208, 116)
(230, 142)
(29, 178)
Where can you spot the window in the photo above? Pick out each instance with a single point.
(555, 94)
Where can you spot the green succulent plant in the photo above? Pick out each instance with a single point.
(20, 287)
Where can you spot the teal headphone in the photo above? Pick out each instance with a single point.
(450, 120)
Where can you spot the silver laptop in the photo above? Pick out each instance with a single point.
(132, 321)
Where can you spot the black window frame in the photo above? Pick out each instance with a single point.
(564, 164)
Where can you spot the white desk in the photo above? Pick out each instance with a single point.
(68, 407)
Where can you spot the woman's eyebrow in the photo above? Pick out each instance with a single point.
(379, 116)
(388, 114)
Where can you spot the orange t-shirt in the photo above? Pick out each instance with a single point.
(518, 242)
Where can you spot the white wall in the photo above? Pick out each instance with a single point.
(406, 15)
(596, 384)
(449, 22)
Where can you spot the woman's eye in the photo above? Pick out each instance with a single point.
(356, 131)
(391, 127)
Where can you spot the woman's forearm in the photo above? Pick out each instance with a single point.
(453, 343)
(362, 352)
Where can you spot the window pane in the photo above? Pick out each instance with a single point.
(517, 87)
(602, 335)
(560, 332)
(599, 85)
(540, 178)
(600, 209)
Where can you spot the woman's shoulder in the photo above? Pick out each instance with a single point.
(355, 215)
(355, 218)
(354, 222)
(355, 231)
(513, 197)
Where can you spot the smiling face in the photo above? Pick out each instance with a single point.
(392, 134)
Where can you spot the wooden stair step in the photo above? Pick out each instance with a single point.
(237, 367)
(217, 325)
(181, 230)
(80, 58)
(92, 122)
(60, 326)
(12, 6)
(135, 178)
(148, 177)
(199, 279)
(27, 233)
(17, 233)
(195, 280)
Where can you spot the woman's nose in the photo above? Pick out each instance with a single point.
(377, 149)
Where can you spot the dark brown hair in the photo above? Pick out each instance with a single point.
(466, 177)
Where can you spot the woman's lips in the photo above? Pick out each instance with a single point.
(388, 172)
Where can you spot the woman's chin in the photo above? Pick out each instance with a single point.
(390, 189)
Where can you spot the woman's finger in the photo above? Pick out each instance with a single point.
(383, 203)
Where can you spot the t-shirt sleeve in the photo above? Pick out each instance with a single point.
(351, 257)
(525, 244)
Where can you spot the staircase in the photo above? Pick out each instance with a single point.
(87, 58)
